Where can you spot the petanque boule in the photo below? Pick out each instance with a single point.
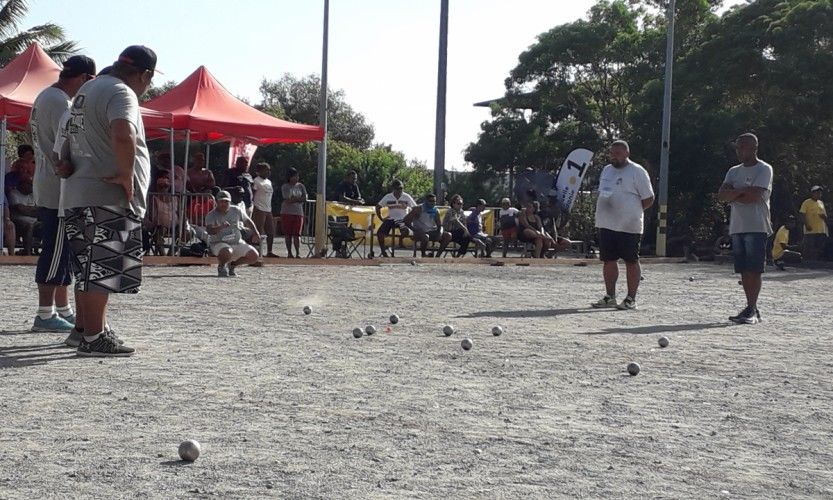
(691, 278)
(466, 344)
(307, 310)
(497, 331)
(663, 341)
(448, 330)
(189, 450)
(633, 369)
(370, 329)
(394, 319)
(358, 332)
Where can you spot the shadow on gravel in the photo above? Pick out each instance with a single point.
(17, 332)
(32, 355)
(189, 276)
(176, 463)
(541, 313)
(797, 276)
(643, 330)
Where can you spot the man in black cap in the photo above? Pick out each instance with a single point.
(106, 194)
(53, 272)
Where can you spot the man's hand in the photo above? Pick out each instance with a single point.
(126, 183)
(63, 169)
(256, 239)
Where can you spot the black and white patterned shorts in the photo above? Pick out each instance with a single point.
(106, 249)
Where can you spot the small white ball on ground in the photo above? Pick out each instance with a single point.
(448, 330)
(189, 450)
(497, 331)
(370, 329)
(633, 368)
(394, 319)
(358, 332)
(466, 344)
(663, 341)
(307, 310)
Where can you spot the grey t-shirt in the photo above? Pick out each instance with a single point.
(289, 190)
(47, 110)
(98, 103)
(231, 235)
(750, 217)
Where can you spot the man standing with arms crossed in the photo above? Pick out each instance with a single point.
(747, 188)
(106, 194)
(53, 273)
(625, 193)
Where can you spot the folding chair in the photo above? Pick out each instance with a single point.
(345, 240)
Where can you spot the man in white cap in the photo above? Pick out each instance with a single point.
(814, 217)
(225, 238)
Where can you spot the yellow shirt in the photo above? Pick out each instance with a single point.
(781, 236)
(812, 209)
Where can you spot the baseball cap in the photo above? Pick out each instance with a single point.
(77, 66)
(481, 201)
(105, 71)
(816, 188)
(223, 195)
(139, 57)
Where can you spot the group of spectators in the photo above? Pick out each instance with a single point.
(423, 223)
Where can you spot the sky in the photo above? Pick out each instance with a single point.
(383, 53)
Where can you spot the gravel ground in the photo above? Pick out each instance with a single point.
(289, 405)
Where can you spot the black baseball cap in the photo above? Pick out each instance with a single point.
(105, 71)
(77, 66)
(140, 57)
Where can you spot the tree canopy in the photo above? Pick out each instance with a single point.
(13, 40)
(764, 67)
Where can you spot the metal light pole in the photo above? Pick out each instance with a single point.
(662, 226)
(321, 196)
(439, 137)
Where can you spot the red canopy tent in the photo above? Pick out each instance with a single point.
(202, 106)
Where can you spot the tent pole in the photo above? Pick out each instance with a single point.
(321, 198)
(207, 154)
(180, 214)
(171, 204)
(3, 180)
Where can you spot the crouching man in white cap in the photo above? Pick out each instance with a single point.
(225, 237)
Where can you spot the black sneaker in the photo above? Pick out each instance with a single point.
(748, 316)
(105, 346)
(74, 339)
(231, 268)
(112, 334)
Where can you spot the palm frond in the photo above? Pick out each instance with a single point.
(11, 14)
(62, 51)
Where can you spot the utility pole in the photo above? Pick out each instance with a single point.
(662, 225)
(439, 138)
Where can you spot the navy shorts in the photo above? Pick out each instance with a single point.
(615, 245)
(749, 251)
(53, 263)
(388, 224)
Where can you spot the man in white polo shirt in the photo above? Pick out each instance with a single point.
(625, 193)
(399, 203)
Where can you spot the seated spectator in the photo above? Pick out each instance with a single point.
(21, 169)
(200, 179)
(508, 221)
(723, 247)
(474, 223)
(224, 225)
(399, 203)
(347, 191)
(9, 234)
(262, 211)
(782, 251)
(454, 225)
(163, 170)
(531, 230)
(24, 213)
(424, 221)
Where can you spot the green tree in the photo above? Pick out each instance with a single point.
(13, 41)
(297, 99)
(155, 91)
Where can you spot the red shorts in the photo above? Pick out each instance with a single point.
(291, 225)
(509, 234)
